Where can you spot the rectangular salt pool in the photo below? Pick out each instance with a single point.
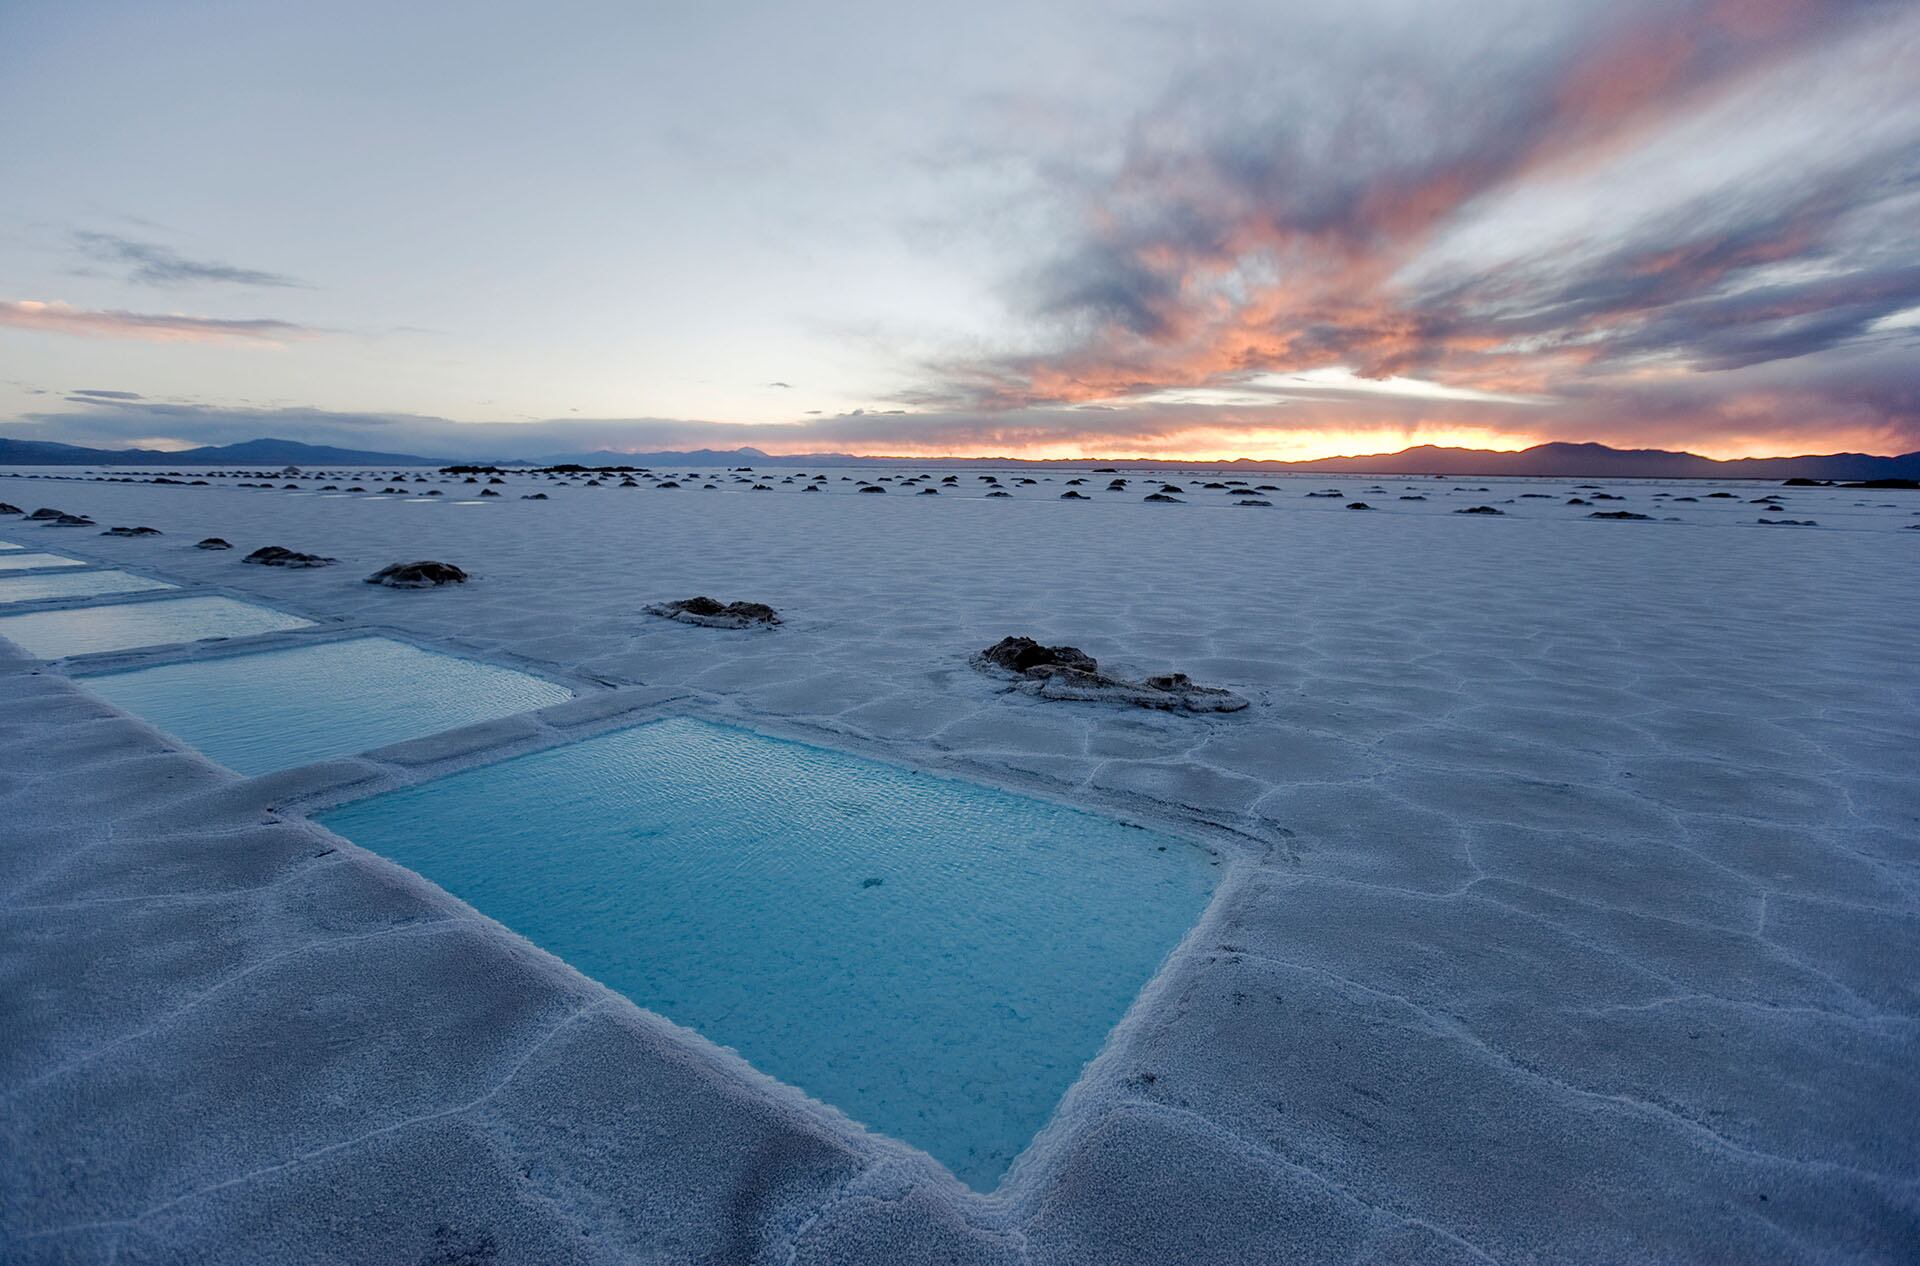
(278, 709)
(74, 584)
(936, 959)
(16, 560)
(93, 630)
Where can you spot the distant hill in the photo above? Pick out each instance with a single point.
(1543, 461)
(247, 453)
(1578, 461)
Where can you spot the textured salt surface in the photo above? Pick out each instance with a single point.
(277, 709)
(94, 630)
(937, 959)
(1578, 920)
(74, 584)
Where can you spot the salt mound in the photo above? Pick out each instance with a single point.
(711, 613)
(425, 574)
(1069, 673)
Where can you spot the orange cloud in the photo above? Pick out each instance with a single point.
(61, 318)
(1223, 248)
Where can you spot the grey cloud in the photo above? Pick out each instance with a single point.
(152, 264)
(1266, 210)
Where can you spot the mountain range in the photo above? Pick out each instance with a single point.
(248, 453)
(1543, 461)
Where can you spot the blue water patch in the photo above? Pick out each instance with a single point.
(279, 709)
(74, 584)
(125, 626)
(937, 959)
(14, 560)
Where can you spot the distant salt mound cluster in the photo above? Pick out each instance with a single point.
(1069, 673)
(58, 518)
(425, 574)
(711, 613)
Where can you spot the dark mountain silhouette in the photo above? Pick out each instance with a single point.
(1572, 461)
(1543, 461)
(247, 453)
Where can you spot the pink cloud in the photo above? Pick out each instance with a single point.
(152, 327)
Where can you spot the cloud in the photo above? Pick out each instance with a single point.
(61, 318)
(1574, 204)
(151, 264)
(95, 394)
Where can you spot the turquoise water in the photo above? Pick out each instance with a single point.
(74, 584)
(936, 959)
(92, 630)
(16, 561)
(279, 709)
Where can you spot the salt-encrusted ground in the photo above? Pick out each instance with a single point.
(1576, 914)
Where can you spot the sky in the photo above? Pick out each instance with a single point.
(1183, 230)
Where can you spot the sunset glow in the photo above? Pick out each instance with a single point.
(1267, 231)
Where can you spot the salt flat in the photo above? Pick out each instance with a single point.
(1574, 915)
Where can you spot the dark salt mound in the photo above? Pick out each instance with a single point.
(1163, 498)
(45, 512)
(1791, 522)
(281, 556)
(424, 574)
(213, 542)
(1618, 514)
(995, 493)
(1071, 495)
(1069, 673)
(535, 496)
(131, 531)
(1253, 501)
(711, 613)
(1018, 654)
(7, 508)
(1479, 510)
(1358, 505)
(872, 488)
(72, 520)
